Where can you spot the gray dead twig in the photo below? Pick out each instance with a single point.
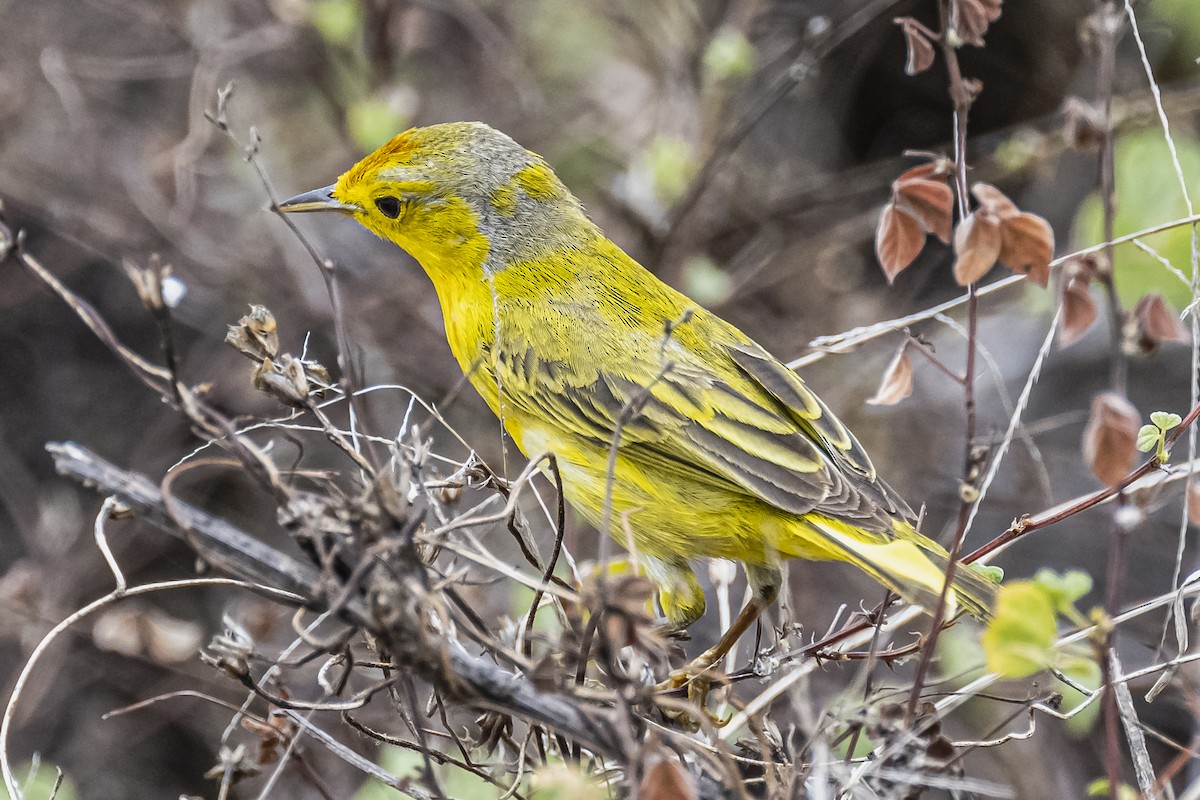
(460, 676)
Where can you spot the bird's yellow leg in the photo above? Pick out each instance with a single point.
(695, 674)
(703, 662)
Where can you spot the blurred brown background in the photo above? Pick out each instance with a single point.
(105, 155)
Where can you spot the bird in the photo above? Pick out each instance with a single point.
(721, 450)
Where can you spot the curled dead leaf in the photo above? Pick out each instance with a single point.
(548, 673)
(897, 382)
(1027, 245)
(283, 379)
(898, 240)
(1157, 322)
(624, 600)
(972, 17)
(1109, 440)
(919, 45)
(976, 246)
(255, 335)
(930, 201)
(994, 200)
(1078, 314)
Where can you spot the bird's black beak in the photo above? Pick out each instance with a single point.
(317, 200)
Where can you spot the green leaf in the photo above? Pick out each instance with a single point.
(371, 121)
(1020, 639)
(338, 21)
(563, 782)
(706, 282)
(959, 656)
(672, 164)
(1149, 196)
(863, 745)
(728, 55)
(397, 761)
(1180, 20)
(1099, 788)
(1064, 589)
(1147, 438)
(41, 783)
(992, 572)
(1165, 420)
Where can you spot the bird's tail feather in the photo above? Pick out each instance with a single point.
(909, 564)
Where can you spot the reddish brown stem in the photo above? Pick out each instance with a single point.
(1026, 525)
(919, 346)
(1106, 24)
(962, 96)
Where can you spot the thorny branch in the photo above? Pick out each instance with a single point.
(388, 592)
(462, 677)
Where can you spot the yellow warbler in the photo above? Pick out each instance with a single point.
(722, 451)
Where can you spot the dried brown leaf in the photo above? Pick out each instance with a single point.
(995, 201)
(1109, 440)
(971, 23)
(1027, 245)
(976, 246)
(1157, 322)
(898, 240)
(667, 780)
(897, 382)
(1079, 312)
(283, 379)
(255, 335)
(920, 48)
(930, 201)
(971, 18)
(1083, 125)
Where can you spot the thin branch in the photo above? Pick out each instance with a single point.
(962, 94)
(459, 675)
(846, 341)
(27, 671)
(1028, 524)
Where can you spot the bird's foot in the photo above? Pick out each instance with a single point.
(697, 676)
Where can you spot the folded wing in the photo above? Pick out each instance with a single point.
(731, 416)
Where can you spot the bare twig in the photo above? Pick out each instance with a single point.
(459, 675)
(962, 94)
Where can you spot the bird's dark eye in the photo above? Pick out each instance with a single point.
(388, 206)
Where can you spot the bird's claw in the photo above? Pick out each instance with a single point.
(698, 677)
